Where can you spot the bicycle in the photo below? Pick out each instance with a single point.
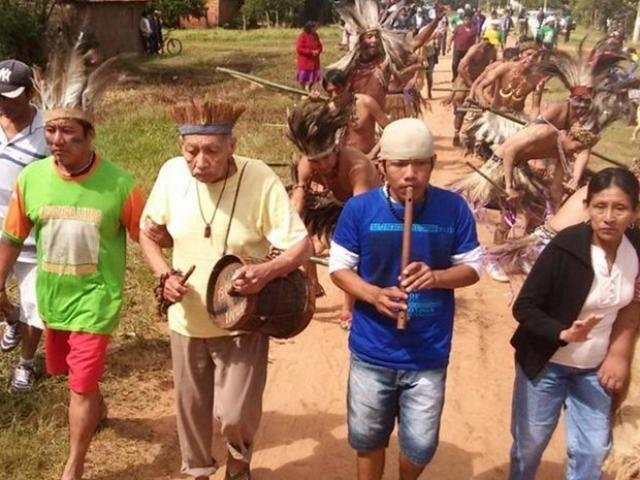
(170, 45)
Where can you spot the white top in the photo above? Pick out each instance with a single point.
(610, 291)
(27, 146)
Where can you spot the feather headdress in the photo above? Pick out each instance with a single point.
(583, 74)
(580, 73)
(206, 116)
(73, 82)
(314, 127)
(363, 16)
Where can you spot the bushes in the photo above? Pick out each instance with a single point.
(22, 32)
(172, 10)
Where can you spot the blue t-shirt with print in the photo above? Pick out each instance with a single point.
(442, 228)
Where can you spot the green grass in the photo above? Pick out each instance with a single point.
(135, 132)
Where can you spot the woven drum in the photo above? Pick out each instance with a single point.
(282, 309)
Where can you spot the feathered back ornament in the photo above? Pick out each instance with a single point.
(584, 75)
(314, 126)
(585, 135)
(206, 116)
(74, 82)
(363, 16)
(580, 73)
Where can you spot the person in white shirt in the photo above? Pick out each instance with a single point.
(578, 313)
(21, 142)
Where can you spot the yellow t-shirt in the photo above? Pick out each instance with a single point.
(263, 217)
(494, 36)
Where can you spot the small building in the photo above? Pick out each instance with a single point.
(218, 12)
(115, 23)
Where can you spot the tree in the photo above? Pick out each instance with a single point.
(272, 11)
(596, 12)
(23, 26)
(172, 10)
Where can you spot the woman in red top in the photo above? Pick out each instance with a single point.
(308, 49)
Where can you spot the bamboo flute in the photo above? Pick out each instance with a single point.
(403, 317)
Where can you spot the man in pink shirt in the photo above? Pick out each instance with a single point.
(463, 38)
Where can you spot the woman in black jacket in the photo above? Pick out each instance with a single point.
(570, 349)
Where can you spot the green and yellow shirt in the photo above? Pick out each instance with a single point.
(80, 225)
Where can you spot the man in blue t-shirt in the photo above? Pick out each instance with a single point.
(401, 373)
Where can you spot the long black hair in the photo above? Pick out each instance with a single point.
(615, 176)
(335, 77)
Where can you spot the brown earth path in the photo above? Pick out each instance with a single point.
(303, 432)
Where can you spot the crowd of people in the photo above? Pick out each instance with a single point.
(398, 246)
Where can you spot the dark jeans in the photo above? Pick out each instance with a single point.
(455, 61)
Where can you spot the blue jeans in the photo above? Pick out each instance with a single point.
(535, 412)
(377, 395)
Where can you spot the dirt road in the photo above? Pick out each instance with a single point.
(303, 432)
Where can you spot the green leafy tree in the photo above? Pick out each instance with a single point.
(23, 25)
(172, 10)
(270, 11)
(596, 12)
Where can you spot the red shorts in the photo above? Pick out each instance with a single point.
(81, 355)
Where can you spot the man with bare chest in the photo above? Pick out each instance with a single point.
(505, 89)
(475, 61)
(543, 140)
(366, 112)
(379, 53)
(508, 166)
(513, 82)
(327, 175)
(564, 113)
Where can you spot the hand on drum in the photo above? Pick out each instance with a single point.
(174, 290)
(390, 300)
(417, 276)
(250, 279)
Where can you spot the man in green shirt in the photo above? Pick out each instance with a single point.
(80, 206)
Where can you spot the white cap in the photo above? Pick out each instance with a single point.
(406, 139)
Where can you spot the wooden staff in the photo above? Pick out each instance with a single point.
(403, 318)
(266, 83)
(444, 89)
(187, 275)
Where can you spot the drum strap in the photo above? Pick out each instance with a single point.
(233, 209)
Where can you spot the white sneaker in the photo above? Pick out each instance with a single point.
(22, 379)
(496, 272)
(10, 337)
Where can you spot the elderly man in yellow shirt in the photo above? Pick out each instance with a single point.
(213, 202)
